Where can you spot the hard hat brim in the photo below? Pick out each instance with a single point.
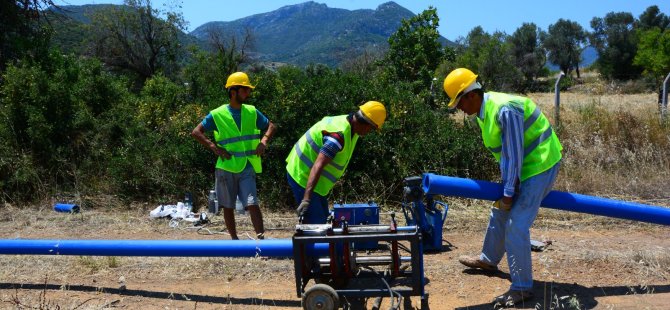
(242, 85)
(472, 86)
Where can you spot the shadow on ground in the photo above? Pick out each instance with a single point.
(553, 295)
(228, 300)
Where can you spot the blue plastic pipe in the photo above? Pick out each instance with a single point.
(467, 188)
(66, 207)
(181, 248)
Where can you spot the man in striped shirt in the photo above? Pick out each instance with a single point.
(529, 153)
(322, 154)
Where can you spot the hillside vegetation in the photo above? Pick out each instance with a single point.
(112, 125)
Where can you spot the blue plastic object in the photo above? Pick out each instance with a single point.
(66, 207)
(431, 220)
(451, 186)
(176, 248)
(358, 214)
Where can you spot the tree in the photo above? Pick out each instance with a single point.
(23, 32)
(489, 56)
(564, 42)
(231, 50)
(653, 49)
(651, 18)
(414, 49)
(653, 52)
(207, 71)
(615, 40)
(134, 38)
(527, 51)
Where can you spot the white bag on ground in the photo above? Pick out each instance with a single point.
(163, 211)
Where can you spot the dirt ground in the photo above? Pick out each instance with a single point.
(594, 263)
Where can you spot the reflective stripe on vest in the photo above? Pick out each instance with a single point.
(240, 142)
(542, 149)
(236, 139)
(304, 153)
(316, 149)
(309, 163)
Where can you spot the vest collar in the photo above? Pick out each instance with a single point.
(482, 109)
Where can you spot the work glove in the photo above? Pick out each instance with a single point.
(302, 208)
(500, 204)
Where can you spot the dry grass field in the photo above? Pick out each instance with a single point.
(614, 147)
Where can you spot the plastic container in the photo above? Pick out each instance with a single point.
(66, 207)
(212, 203)
(188, 202)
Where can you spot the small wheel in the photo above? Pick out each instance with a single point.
(321, 297)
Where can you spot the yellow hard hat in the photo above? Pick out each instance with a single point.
(374, 112)
(239, 79)
(459, 82)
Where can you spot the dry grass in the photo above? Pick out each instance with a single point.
(614, 146)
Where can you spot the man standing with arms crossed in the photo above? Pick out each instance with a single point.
(529, 153)
(238, 145)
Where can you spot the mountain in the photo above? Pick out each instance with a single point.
(70, 21)
(298, 34)
(312, 32)
(589, 57)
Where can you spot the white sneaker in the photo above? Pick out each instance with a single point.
(162, 211)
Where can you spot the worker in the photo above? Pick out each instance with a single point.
(528, 151)
(322, 154)
(238, 145)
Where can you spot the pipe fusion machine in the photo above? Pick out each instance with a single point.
(367, 259)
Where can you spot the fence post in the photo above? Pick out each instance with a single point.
(664, 102)
(557, 99)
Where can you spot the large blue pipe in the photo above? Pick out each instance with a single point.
(451, 186)
(182, 248)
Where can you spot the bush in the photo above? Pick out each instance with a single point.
(415, 138)
(74, 127)
(53, 111)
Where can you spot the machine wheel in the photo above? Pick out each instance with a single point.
(321, 297)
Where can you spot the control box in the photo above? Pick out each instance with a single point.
(358, 214)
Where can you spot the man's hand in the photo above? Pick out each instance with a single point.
(260, 149)
(504, 203)
(302, 208)
(221, 153)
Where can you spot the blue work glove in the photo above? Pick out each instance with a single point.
(302, 208)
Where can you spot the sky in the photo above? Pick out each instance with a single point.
(457, 18)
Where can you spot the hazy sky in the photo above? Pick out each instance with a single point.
(457, 18)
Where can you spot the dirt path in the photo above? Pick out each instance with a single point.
(594, 263)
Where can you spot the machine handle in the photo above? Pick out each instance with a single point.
(446, 209)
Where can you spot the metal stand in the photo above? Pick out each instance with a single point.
(347, 275)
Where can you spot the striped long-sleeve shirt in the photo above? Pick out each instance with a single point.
(510, 120)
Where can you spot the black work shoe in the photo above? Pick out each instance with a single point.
(476, 263)
(511, 298)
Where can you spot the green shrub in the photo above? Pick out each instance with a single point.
(74, 127)
(51, 114)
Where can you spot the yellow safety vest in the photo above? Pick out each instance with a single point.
(240, 142)
(301, 159)
(542, 149)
